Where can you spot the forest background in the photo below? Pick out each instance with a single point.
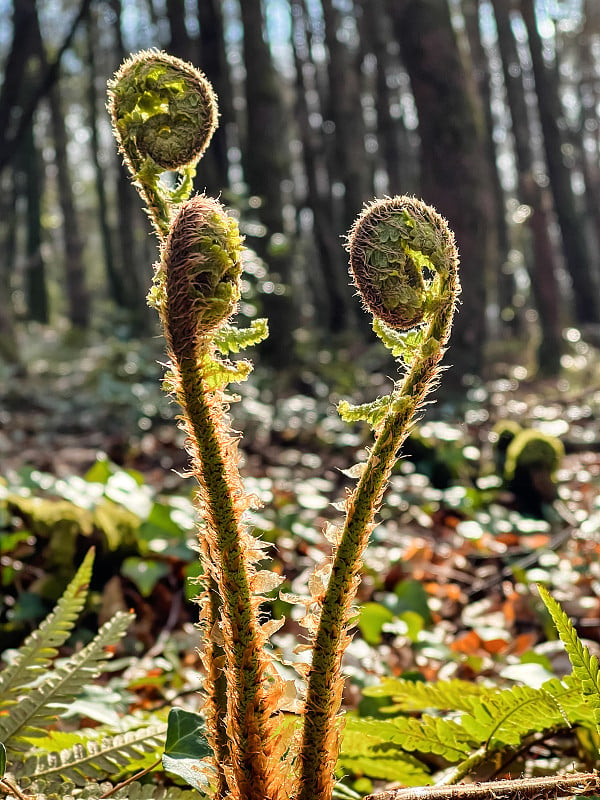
(488, 110)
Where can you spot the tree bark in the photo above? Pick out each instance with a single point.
(543, 265)
(454, 172)
(266, 165)
(577, 257)
(343, 69)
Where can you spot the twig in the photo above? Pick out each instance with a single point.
(584, 783)
(131, 779)
(11, 788)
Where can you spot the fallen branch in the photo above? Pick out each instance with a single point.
(584, 783)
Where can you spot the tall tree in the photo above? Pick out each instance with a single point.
(542, 265)
(212, 59)
(570, 220)
(333, 300)
(180, 44)
(454, 172)
(266, 164)
(115, 282)
(343, 68)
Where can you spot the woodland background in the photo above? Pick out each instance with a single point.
(488, 110)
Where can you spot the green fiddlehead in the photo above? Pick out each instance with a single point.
(405, 265)
(164, 113)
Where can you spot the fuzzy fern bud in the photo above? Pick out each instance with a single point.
(162, 108)
(202, 269)
(401, 256)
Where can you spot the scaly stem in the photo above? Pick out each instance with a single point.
(320, 735)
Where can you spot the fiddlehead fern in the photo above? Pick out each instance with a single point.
(200, 276)
(405, 264)
(164, 113)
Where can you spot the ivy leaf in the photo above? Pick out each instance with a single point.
(187, 748)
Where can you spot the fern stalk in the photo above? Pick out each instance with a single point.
(420, 238)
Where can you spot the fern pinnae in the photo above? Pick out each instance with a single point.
(96, 756)
(585, 666)
(40, 647)
(60, 687)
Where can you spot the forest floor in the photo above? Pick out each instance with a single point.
(449, 578)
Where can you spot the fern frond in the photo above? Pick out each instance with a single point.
(94, 790)
(40, 704)
(230, 339)
(40, 647)
(369, 755)
(444, 737)
(96, 757)
(374, 413)
(505, 717)
(400, 343)
(407, 695)
(585, 666)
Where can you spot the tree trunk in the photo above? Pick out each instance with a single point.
(543, 266)
(454, 172)
(332, 295)
(577, 257)
(265, 163)
(36, 291)
(397, 153)
(180, 44)
(77, 296)
(115, 284)
(502, 285)
(343, 70)
(9, 350)
(212, 59)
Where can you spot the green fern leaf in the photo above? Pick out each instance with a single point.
(400, 343)
(406, 695)
(218, 374)
(38, 650)
(40, 704)
(374, 413)
(365, 754)
(505, 717)
(444, 737)
(96, 757)
(229, 339)
(585, 665)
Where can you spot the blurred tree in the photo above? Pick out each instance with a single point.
(9, 350)
(265, 160)
(570, 220)
(542, 262)
(212, 59)
(114, 279)
(334, 306)
(454, 172)
(502, 284)
(350, 158)
(180, 44)
(130, 255)
(397, 152)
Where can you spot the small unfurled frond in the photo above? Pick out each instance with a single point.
(217, 374)
(38, 650)
(230, 339)
(407, 695)
(374, 413)
(585, 665)
(96, 756)
(400, 343)
(44, 702)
